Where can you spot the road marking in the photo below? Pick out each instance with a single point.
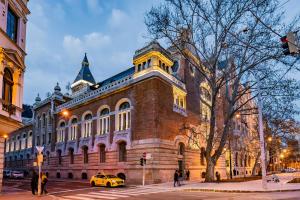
(77, 197)
(64, 191)
(108, 193)
(97, 197)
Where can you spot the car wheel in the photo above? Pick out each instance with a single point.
(93, 184)
(108, 185)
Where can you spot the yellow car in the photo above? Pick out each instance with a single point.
(106, 180)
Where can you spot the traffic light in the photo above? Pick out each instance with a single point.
(289, 43)
(142, 161)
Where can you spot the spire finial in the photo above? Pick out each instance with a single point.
(85, 62)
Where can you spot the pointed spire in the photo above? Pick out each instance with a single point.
(85, 62)
(38, 98)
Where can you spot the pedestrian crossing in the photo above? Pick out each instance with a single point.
(116, 193)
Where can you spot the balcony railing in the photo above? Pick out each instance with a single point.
(8, 107)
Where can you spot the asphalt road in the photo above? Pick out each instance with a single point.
(82, 191)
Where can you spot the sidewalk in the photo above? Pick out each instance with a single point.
(249, 186)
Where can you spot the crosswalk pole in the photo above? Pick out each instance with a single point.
(144, 174)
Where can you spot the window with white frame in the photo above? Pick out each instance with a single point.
(123, 117)
(87, 126)
(23, 141)
(17, 146)
(7, 146)
(29, 141)
(179, 97)
(61, 132)
(103, 121)
(73, 129)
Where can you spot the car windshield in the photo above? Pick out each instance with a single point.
(111, 176)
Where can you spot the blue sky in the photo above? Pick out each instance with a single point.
(60, 31)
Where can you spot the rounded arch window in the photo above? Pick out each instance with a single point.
(104, 111)
(73, 129)
(7, 86)
(103, 122)
(87, 125)
(62, 124)
(123, 118)
(124, 106)
(74, 121)
(88, 117)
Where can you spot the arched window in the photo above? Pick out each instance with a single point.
(73, 129)
(7, 87)
(102, 153)
(122, 152)
(123, 118)
(71, 154)
(87, 125)
(85, 154)
(59, 156)
(103, 123)
(29, 143)
(61, 132)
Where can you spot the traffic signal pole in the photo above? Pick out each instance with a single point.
(144, 166)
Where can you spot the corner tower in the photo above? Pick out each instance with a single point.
(84, 77)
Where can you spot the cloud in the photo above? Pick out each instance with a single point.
(117, 18)
(96, 40)
(94, 6)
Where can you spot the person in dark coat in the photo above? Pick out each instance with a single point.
(176, 176)
(44, 182)
(218, 177)
(188, 175)
(34, 182)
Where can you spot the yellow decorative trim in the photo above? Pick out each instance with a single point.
(152, 54)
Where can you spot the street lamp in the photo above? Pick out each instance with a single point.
(270, 139)
(65, 113)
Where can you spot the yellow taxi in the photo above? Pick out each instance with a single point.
(106, 180)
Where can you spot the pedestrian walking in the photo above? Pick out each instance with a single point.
(176, 178)
(34, 182)
(188, 175)
(44, 182)
(218, 177)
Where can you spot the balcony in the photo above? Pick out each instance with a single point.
(8, 107)
(179, 110)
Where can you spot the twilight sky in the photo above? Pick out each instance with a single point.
(60, 31)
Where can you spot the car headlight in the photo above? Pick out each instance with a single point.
(113, 181)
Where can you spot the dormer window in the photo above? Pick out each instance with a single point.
(12, 25)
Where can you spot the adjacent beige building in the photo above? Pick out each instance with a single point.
(13, 20)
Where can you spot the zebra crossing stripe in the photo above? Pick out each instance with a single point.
(92, 196)
(113, 194)
(76, 197)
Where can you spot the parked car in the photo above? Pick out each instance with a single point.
(106, 180)
(17, 174)
(6, 173)
(290, 170)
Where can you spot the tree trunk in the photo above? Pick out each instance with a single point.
(256, 161)
(210, 171)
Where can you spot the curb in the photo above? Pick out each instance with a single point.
(238, 191)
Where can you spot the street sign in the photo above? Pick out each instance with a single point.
(39, 148)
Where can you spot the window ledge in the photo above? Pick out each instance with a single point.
(179, 110)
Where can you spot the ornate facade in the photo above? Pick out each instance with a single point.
(107, 126)
(13, 21)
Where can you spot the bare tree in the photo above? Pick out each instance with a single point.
(244, 34)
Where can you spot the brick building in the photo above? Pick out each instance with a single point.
(107, 126)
